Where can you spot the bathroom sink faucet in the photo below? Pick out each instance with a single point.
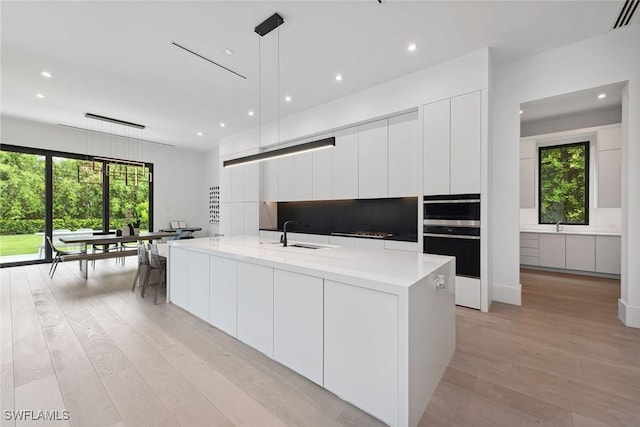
(283, 239)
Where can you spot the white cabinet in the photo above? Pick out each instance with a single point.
(285, 179)
(223, 294)
(250, 183)
(178, 276)
(225, 183)
(580, 252)
(298, 323)
(345, 165)
(302, 176)
(373, 160)
(527, 183)
(468, 292)
(255, 306)
(237, 183)
(608, 254)
(270, 180)
(198, 285)
(404, 152)
(237, 218)
(529, 249)
(250, 218)
(226, 218)
(466, 132)
(323, 174)
(551, 249)
(609, 179)
(436, 125)
(361, 348)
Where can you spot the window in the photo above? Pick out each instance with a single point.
(564, 184)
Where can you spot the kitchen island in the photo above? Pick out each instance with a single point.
(377, 328)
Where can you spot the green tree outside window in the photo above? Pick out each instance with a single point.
(564, 184)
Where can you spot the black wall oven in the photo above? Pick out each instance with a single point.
(452, 227)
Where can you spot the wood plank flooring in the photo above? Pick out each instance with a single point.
(112, 358)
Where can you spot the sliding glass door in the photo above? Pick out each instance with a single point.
(128, 196)
(22, 206)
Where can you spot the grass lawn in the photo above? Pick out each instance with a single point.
(20, 244)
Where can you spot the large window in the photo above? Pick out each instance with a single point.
(52, 194)
(564, 184)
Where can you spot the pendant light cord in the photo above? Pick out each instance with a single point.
(259, 92)
(278, 100)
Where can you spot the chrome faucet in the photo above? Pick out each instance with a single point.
(283, 238)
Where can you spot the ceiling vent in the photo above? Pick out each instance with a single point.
(626, 13)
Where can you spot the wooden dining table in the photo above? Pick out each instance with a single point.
(109, 239)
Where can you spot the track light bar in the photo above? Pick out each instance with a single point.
(282, 152)
(112, 120)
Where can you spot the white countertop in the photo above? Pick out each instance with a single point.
(570, 231)
(380, 269)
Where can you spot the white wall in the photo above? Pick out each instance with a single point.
(571, 121)
(179, 190)
(613, 57)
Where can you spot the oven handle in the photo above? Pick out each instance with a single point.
(469, 223)
(452, 236)
(446, 202)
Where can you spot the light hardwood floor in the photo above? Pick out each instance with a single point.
(112, 358)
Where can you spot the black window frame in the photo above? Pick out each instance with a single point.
(587, 145)
(48, 220)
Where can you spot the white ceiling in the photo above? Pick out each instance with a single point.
(573, 103)
(116, 59)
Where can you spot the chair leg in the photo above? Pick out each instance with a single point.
(56, 261)
(52, 264)
(135, 279)
(163, 273)
(146, 282)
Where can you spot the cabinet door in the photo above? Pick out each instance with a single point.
(225, 183)
(178, 276)
(237, 183)
(580, 252)
(609, 179)
(466, 135)
(323, 174)
(551, 250)
(223, 294)
(285, 178)
(436, 125)
(237, 219)
(255, 306)
(250, 218)
(403, 155)
(345, 165)
(302, 176)
(198, 285)
(298, 323)
(527, 183)
(608, 254)
(226, 219)
(250, 184)
(373, 160)
(270, 180)
(361, 348)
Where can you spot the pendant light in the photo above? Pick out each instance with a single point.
(264, 28)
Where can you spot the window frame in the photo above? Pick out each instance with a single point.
(587, 143)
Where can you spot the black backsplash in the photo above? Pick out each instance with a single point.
(398, 216)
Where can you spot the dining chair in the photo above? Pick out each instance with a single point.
(143, 262)
(103, 247)
(59, 253)
(156, 262)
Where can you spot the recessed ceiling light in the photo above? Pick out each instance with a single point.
(228, 51)
(339, 77)
(287, 98)
(521, 111)
(39, 95)
(222, 124)
(412, 47)
(46, 74)
(602, 96)
(251, 113)
(199, 133)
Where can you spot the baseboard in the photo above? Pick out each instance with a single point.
(629, 314)
(507, 294)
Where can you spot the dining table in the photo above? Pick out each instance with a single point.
(109, 239)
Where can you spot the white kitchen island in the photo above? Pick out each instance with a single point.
(371, 326)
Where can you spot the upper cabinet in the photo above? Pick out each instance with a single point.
(345, 165)
(466, 132)
(609, 168)
(322, 174)
(373, 146)
(403, 155)
(302, 176)
(270, 180)
(436, 128)
(285, 178)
